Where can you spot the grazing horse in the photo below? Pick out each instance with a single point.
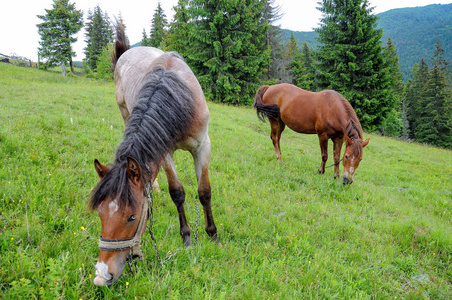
(327, 114)
(164, 109)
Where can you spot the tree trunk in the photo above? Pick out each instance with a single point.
(63, 69)
(72, 65)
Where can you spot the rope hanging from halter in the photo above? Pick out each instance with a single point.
(133, 242)
(336, 163)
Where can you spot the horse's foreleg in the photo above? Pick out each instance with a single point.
(337, 155)
(277, 127)
(177, 193)
(201, 157)
(323, 140)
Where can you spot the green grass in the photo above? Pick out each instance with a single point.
(287, 232)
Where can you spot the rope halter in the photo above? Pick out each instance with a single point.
(130, 243)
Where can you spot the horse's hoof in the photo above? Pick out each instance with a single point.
(215, 239)
(187, 241)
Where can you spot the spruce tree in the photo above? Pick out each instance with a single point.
(145, 39)
(294, 67)
(274, 39)
(301, 69)
(392, 123)
(291, 47)
(405, 130)
(98, 35)
(307, 60)
(350, 59)
(416, 91)
(228, 48)
(440, 61)
(104, 68)
(434, 127)
(177, 38)
(158, 29)
(57, 31)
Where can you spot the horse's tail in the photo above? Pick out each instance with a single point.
(262, 109)
(121, 44)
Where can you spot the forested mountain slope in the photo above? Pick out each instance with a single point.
(413, 30)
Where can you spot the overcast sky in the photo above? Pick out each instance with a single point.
(19, 34)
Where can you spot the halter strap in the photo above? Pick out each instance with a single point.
(133, 242)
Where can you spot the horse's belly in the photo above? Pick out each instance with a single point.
(300, 125)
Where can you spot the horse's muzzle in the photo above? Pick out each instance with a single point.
(345, 180)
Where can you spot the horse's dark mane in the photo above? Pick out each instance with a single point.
(353, 128)
(160, 118)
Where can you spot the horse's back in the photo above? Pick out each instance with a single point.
(131, 73)
(307, 112)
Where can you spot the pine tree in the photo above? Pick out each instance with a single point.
(291, 57)
(177, 38)
(392, 123)
(158, 29)
(291, 47)
(350, 59)
(104, 68)
(301, 69)
(307, 61)
(434, 127)
(145, 39)
(274, 40)
(416, 91)
(59, 26)
(405, 130)
(228, 48)
(439, 60)
(98, 35)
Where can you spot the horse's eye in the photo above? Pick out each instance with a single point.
(131, 218)
(346, 156)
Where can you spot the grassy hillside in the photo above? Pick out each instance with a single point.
(287, 232)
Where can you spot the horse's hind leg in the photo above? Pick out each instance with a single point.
(323, 140)
(277, 127)
(201, 157)
(177, 193)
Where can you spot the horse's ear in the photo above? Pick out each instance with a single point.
(133, 170)
(348, 140)
(366, 142)
(100, 169)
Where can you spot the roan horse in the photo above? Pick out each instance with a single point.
(327, 114)
(164, 109)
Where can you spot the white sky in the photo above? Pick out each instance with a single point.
(19, 34)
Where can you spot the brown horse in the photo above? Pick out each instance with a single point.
(164, 109)
(325, 113)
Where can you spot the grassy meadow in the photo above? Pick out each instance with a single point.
(286, 232)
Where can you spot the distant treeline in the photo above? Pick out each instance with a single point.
(234, 47)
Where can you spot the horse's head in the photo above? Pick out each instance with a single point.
(123, 220)
(352, 157)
